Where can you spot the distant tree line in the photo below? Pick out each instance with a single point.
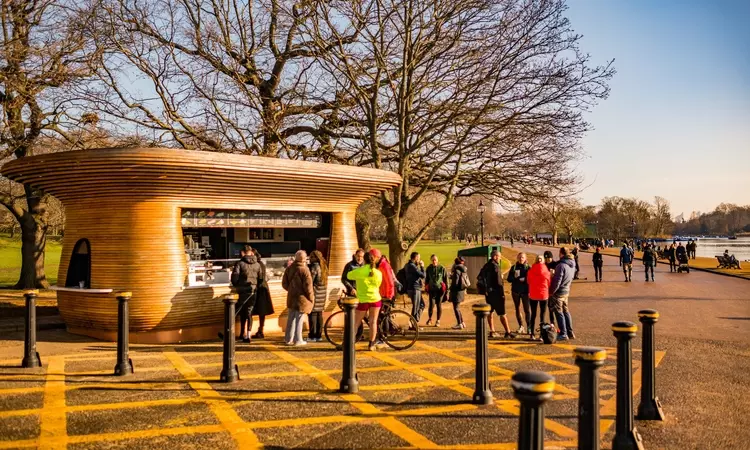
(726, 219)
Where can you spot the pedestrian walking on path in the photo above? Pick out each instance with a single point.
(559, 293)
(519, 290)
(672, 257)
(539, 281)
(626, 261)
(459, 284)
(598, 260)
(649, 261)
(437, 285)
(492, 278)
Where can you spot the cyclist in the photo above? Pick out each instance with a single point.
(368, 280)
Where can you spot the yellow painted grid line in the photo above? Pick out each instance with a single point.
(230, 420)
(53, 429)
(390, 423)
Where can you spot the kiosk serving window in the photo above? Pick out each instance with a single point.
(213, 240)
(79, 270)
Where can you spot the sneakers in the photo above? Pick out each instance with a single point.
(508, 336)
(437, 323)
(521, 330)
(246, 340)
(300, 344)
(456, 327)
(429, 322)
(493, 334)
(562, 337)
(371, 347)
(463, 326)
(571, 335)
(258, 335)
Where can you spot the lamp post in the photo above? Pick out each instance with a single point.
(481, 208)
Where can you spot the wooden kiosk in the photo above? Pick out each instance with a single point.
(167, 225)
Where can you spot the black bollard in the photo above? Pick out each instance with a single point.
(229, 370)
(30, 355)
(626, 436)
(124, 365)
(650, 407)
(482, 393)
(589, 359)
(532, 389)
(349, 380)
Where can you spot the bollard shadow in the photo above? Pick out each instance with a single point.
(735, 318)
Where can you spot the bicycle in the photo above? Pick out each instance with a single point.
(398, 329)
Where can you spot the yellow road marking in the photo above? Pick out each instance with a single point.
(141, 434)
(29, 443)
(389, 423)
(230, 420)
(24, 390)
(546, 360)
(53, 430)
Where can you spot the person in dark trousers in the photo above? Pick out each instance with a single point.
(519, 290)
(437, 282)
(598, 260)
(319, 272)
(539, 279)
(672, 257)
(649, 261)
(680, 251)
(350, 286)
(247, 275)
(693, 248)
(457, 290)
(575, 259)
(492, 275)
(414, 275)
(626, 261)
(559, 290)
(263, 304)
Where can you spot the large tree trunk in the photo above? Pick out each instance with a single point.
(33, 243)
(396, 251)
(362, 224)
(554, 238)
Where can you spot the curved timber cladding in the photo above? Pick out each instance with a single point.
(128, 202)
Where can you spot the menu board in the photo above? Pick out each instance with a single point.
(212, 218)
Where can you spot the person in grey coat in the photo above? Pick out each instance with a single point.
(319, 272)
(559, 290)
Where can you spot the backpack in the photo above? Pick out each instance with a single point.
(481, 283)
(463, 281)
(401, 278)
(548, 333)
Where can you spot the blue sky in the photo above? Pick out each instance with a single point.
(677, 123)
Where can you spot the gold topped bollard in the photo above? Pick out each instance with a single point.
(124, 365)
(349, 380)
(532, 389)
(482, 392)
(30, 355)
(650, 407)
(589, 359)
(229, 370)
(626, 436)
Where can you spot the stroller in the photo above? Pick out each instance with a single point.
(682, 261)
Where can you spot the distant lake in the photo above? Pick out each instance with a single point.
(709, 247)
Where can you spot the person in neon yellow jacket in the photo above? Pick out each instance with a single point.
(368, 279)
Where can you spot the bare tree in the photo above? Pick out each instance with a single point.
(548, 212)
(460, 98)
(222, 76)
(43, 50)
(662, 220)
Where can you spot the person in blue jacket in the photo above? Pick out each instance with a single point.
(626, 261)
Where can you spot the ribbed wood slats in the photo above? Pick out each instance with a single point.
(127, 203)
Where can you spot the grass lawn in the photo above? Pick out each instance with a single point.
(10, 261)
(446, 251)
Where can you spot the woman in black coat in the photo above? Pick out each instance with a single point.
(319, 272)
(263, 304)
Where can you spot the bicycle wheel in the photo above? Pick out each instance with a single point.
(334, 329)
(399, 329)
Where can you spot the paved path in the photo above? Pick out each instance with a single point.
(417, 398)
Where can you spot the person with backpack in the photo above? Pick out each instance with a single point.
(598, 260)
(491, 278)
(649, 261)
(560, 291)
(519, 290)
(538, 280)
(459, 284)
(414, 273)
(626, 261)
(436, 280)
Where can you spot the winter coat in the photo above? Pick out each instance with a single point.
(457, 295)
(626, 256)
(649, 257)
(564, 273)
(493, 279)
(247, 274)
(319, 287)
(263, 304)
(349, 285)
(671, 253)
(368, 283)
(598, 259)
(538, 280)
(388, 286)
(519, 284)
(298, 283)
(414, 276)
(435, 276)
